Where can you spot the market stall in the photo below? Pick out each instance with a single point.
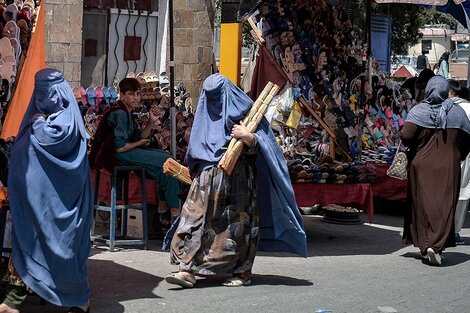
(336, 117)
(25, 33)
(336, 102)
(22, 32)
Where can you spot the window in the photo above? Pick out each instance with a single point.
(426, 45)
(132, 47)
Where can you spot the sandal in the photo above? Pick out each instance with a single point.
(236, 282)
(180, 279)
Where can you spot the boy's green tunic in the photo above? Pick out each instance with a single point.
(125, 131)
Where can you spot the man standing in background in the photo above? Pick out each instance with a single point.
(423, 61)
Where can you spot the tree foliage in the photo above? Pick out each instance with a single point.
(407, 20)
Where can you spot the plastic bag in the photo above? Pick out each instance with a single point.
(294, 117)
(283, 104)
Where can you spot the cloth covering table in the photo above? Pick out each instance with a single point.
(384, 187)
(354, 194)
(388, 188)
(134, 188)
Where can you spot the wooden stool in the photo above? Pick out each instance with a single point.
(121, 174)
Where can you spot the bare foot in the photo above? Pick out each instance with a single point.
(6, 309)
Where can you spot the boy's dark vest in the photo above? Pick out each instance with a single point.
(103, 153)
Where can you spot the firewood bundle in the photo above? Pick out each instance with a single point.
(178, 171)
(251, 121)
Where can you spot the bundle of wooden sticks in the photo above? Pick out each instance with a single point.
(178, 171)
(229, 159)
(251, 121)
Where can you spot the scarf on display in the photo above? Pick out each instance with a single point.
(437, 111)
(50, 194)
(222, 105)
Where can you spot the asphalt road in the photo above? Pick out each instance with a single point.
(350, 268)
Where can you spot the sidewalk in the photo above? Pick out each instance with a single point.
(350, 268)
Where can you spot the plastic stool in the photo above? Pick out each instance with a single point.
(121, 173)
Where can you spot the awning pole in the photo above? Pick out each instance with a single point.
(172, 82)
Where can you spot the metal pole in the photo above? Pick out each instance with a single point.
(172, 82)
(230, 41)
(468, 62)
(369, 41)
(468, 68)
(467, 19)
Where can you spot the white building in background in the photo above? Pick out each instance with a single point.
(437, 39)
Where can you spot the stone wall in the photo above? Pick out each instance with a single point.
(193, 41)
(63, 37)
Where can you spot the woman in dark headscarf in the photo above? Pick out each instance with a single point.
(221, 221)
(50, 198)
(437, 133)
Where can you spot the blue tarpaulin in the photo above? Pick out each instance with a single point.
(459, 9)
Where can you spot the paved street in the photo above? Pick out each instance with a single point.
(350, 268)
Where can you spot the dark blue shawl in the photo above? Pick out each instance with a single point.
(50, 194)
(222, 105)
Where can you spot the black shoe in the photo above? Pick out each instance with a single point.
(459, 240)
(165, 221)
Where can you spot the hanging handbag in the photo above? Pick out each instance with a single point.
(398, 169)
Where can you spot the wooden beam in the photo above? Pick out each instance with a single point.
(258, 34)
(315, 115)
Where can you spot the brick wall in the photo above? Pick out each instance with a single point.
(193, 40)
(63, 37)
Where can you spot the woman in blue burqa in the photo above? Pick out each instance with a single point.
(437, 133)
(226, 218)
(50, 199)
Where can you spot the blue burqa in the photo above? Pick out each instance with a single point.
(221, 106)
(49, 188)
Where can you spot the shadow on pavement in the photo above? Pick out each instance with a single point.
(448, 258)
(383, 236)
(278, 280)
(256, 280)
(112, 283)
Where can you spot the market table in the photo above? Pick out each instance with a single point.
(388, 188)
(354, 194)
(307, 194)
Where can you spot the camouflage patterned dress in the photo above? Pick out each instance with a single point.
(218, 231)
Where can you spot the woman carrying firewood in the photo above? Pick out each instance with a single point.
(227, 217)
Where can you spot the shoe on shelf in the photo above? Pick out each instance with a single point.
(433, 256)
(459, 240)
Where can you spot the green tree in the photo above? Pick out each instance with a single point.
(407, 20)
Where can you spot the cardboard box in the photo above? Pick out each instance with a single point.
(134, 224)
